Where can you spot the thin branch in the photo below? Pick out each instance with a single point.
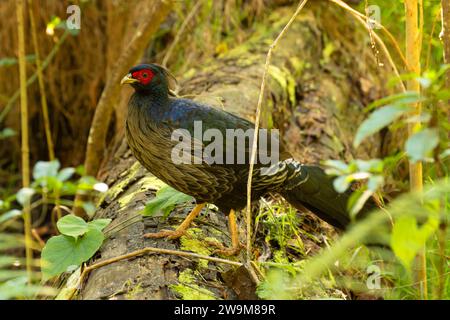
(257, 119)
(378, 25)
(33, 78)
(148, 250)
(24, 135)
(361, 18)
(48, 133)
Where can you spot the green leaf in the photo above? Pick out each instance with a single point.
(62, 252)
(7, 133)
(89, 207)
(372, 165)
(341, 184)
(99, 224)
(86, 183)
(71, 225)
(400, 98)
(377, 120)
(166, 199)
(336, 167)
(375, 182)
(357, 201)
(65, 174)
(24, 195)
(7, 62)
(49, 182)
(445, 154)
(69, 188)
(421, 144)
(407, 239)
(46, 169)
(10, 215)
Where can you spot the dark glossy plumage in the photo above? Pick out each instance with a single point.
(152, 117)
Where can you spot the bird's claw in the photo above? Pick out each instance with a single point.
(221, 249)
(228, 251)
(169, 234)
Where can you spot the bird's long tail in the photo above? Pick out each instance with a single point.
(310, 187)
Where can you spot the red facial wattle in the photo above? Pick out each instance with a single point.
(144, 76)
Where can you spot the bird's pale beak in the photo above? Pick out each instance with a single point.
(128, 79)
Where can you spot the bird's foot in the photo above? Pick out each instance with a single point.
(169, 234)
(226, 251)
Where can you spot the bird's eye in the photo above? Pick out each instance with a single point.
(145, 75)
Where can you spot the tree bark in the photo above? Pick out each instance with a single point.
(321, 77)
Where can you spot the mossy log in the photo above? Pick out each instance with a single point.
(323, 73)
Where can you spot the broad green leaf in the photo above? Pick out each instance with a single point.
(336, 167)
(71, 225)
(65, 174)
(421, 144)
(166, 199)
(86, 183)
(8, 261)
(49, 182)
(407, 239)
(400, 98)
(7, 133)
(89, 207)
(10, 215)
(68, 188)
(6, 62)
(62, 252)
(99, 224)
(24, 195)
(274, 285)
(341, 184)
(377, 120)
(357, 201)
(443, 94)
(19, 288)
(338, 164)
(445, 154)
(372, 165)
(46, 169)
(375, 182)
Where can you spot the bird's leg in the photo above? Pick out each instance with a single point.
(178, 232)
(235, 245)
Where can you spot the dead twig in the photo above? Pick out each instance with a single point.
(257, 119)
(362, 19)
(148, 250)
(48, 133)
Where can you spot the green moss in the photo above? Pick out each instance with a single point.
(298, 66)
(285, 79)
(135, 290)
(119, 187)
(146, 183)
(188, 290)
(195, 242)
